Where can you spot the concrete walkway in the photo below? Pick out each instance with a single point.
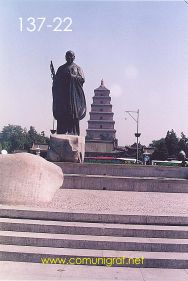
(32, 271)
(117, 202)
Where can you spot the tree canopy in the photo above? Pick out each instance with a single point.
(170, 146)
(14, 137)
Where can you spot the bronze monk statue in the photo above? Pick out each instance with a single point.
(69, 105)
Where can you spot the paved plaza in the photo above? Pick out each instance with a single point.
(31, 271)
(82, 221)
(118, 202)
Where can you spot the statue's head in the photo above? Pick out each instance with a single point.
(70, 56)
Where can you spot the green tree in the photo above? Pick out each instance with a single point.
(34, 137)
(170, 146)
(13, 137)
(183, 143)
(43, 139)
(161, 151)
(172, 141)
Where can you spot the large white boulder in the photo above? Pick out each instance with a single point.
(28, 179)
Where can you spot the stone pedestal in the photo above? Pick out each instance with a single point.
(28, 179)
(66, 148)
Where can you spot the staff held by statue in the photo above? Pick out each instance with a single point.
(53, 77)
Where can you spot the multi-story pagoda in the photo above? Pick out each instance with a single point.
(100, 136)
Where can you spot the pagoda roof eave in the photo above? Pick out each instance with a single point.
(101, 88)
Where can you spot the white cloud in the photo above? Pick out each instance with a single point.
(116, 90)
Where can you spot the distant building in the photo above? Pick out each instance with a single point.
(40, 149)
(101, 135)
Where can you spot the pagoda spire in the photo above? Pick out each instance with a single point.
(102, 82)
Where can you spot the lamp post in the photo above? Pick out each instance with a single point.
(137, 134)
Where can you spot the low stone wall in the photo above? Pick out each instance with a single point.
(136, 184)
(124, 170)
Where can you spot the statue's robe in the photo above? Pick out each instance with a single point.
(69, 105)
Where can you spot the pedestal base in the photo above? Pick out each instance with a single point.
(66, 148)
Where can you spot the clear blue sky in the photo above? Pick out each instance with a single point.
(140, 49)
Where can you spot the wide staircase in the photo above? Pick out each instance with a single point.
(104, 211)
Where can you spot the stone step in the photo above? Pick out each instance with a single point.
(97, 217)
(123, 170)
(117, 183)
(93, 242)
(98, 229)
(63, 256)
